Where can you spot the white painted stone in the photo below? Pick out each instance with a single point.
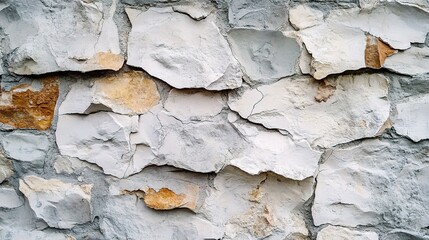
(59, 204)
(6, 168)
(368, 4)
(24, 146)
(266, 56)
(412, 118)
(303, 16)
(357, 109)
(255, 14)
(374, 182)
(69, 165)
(82, 36)
(334, 48)
(14, 234)
(393, 23)
(254, 207)
(422, 4)
(181, 51)
(101, 138)
(412, 61)
(272, 151)
(9, 198)
(340, 233)
(188, 105)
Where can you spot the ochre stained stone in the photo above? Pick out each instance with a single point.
(133, 90)
(376, 52)
(26, 108)
(164, 199)
(109, 60)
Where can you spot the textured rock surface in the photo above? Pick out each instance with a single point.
(339, 233)
(171, 48)
(29, 106)
(59, 204)
(25, 147)
(68, 36)
(412, 118)
(125, 93)
(372, 183)
(266, 56)
(357, 109)
(327, 138)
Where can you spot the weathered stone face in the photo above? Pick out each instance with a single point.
(231, 119)
(27, 107)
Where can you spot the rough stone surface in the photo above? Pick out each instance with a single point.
(357, 109)
(181, 51)
(6, 168)
(72, 36)
(372, 183)
(340, 233)
(266, 56)
(9, 198)
(101, 138)
(29, 106)
(303, 16)
(412, 61)
(412, 118)
(25, 147)
(59, 204)
(125, 93)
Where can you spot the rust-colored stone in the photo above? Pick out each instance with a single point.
(164, 199)
(26, 108)
(376, 52)
(325, 90)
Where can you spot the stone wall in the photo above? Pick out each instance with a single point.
(214, 119)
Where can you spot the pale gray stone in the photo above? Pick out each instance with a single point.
(400, 19)
(181, 51)
(358, 108)
(13, 234)
(68, 36)
(101, 138)
(257, 207)
(6, 168)
(272, 151)
(59, 204)
(303, 16)
(412, 117)
(341, 233)
(266, 56)
(25, 146)
(195, 11)
(412, 61)
(375, 182)
(334, 48)
(9, 198)
(269, 14)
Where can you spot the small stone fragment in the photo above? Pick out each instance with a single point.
(412, 117)
(25, 146)
(181, 51)
(266, 56)
(60, 205)
(164, 199)
(26, 107)
(130, 93)
(376, 52)
(341, 233)
(9, 199)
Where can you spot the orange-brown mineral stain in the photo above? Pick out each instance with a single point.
(109, 60)
(325, 90)
(376, 52)
(164, 199)
(30, 109)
